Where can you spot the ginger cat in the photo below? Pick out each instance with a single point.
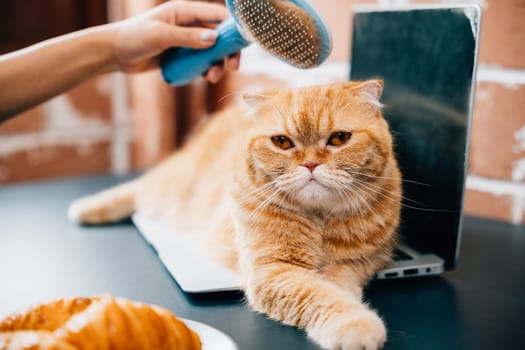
(300, 192)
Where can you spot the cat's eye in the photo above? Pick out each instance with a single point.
(282, 142)
(339, 138)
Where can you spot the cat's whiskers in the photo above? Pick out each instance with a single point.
(374, 188)
(363, 215)
(238, 92)
(262, 192)
(383, 189)
(288, 179)
(356, 206)
(387, 194)
(280, 186)
(274, 173)
(259, 192)
(336, 186)
(355, 203)
(358, 201)
(361, 189)
(262, 206)
(336, 182)
(361, 203)
(283, 200)
(352, 172)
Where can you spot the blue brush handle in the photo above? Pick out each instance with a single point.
(182, 65)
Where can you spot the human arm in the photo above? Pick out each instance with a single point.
(39, 72)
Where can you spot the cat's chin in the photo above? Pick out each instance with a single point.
(315, 195)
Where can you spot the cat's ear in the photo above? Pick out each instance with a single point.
(370, 89)
(373, 88)
(254, 100)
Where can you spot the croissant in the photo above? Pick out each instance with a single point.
(96, 323)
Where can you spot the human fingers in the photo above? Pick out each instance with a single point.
(233, 61)
(191, 13)
(193, 37)
(214, 74)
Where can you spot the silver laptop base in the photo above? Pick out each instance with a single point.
(419, 265)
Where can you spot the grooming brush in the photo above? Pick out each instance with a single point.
(288, 29)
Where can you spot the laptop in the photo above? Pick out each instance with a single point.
(427, 57)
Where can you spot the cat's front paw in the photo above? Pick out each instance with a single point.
(362, 331)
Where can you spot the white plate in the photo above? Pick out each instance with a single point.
(193, 271)
(211, 338)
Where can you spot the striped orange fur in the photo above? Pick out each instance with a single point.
(301, 193)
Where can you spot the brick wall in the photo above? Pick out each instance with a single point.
(71, 134)
(114, 124)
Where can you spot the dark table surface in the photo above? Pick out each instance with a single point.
(480, 305)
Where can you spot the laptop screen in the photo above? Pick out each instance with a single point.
(427, 59)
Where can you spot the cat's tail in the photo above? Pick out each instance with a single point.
(111, 205)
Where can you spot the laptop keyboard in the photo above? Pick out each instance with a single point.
(399, 255)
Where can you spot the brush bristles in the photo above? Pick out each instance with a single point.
(283, 28)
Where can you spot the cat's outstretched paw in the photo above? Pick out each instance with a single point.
(365, 331)
(86, 211)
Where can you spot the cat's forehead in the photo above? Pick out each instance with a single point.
(309, 113)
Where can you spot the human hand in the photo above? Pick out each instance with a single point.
(139, 41)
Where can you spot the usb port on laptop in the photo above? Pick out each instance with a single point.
(410, 272)
(391, 274)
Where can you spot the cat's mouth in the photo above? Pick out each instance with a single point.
(313, 193)
(314, 181)
(310, 187)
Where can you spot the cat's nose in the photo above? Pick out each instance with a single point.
(311, 164)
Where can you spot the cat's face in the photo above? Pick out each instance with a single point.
(320, 147)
